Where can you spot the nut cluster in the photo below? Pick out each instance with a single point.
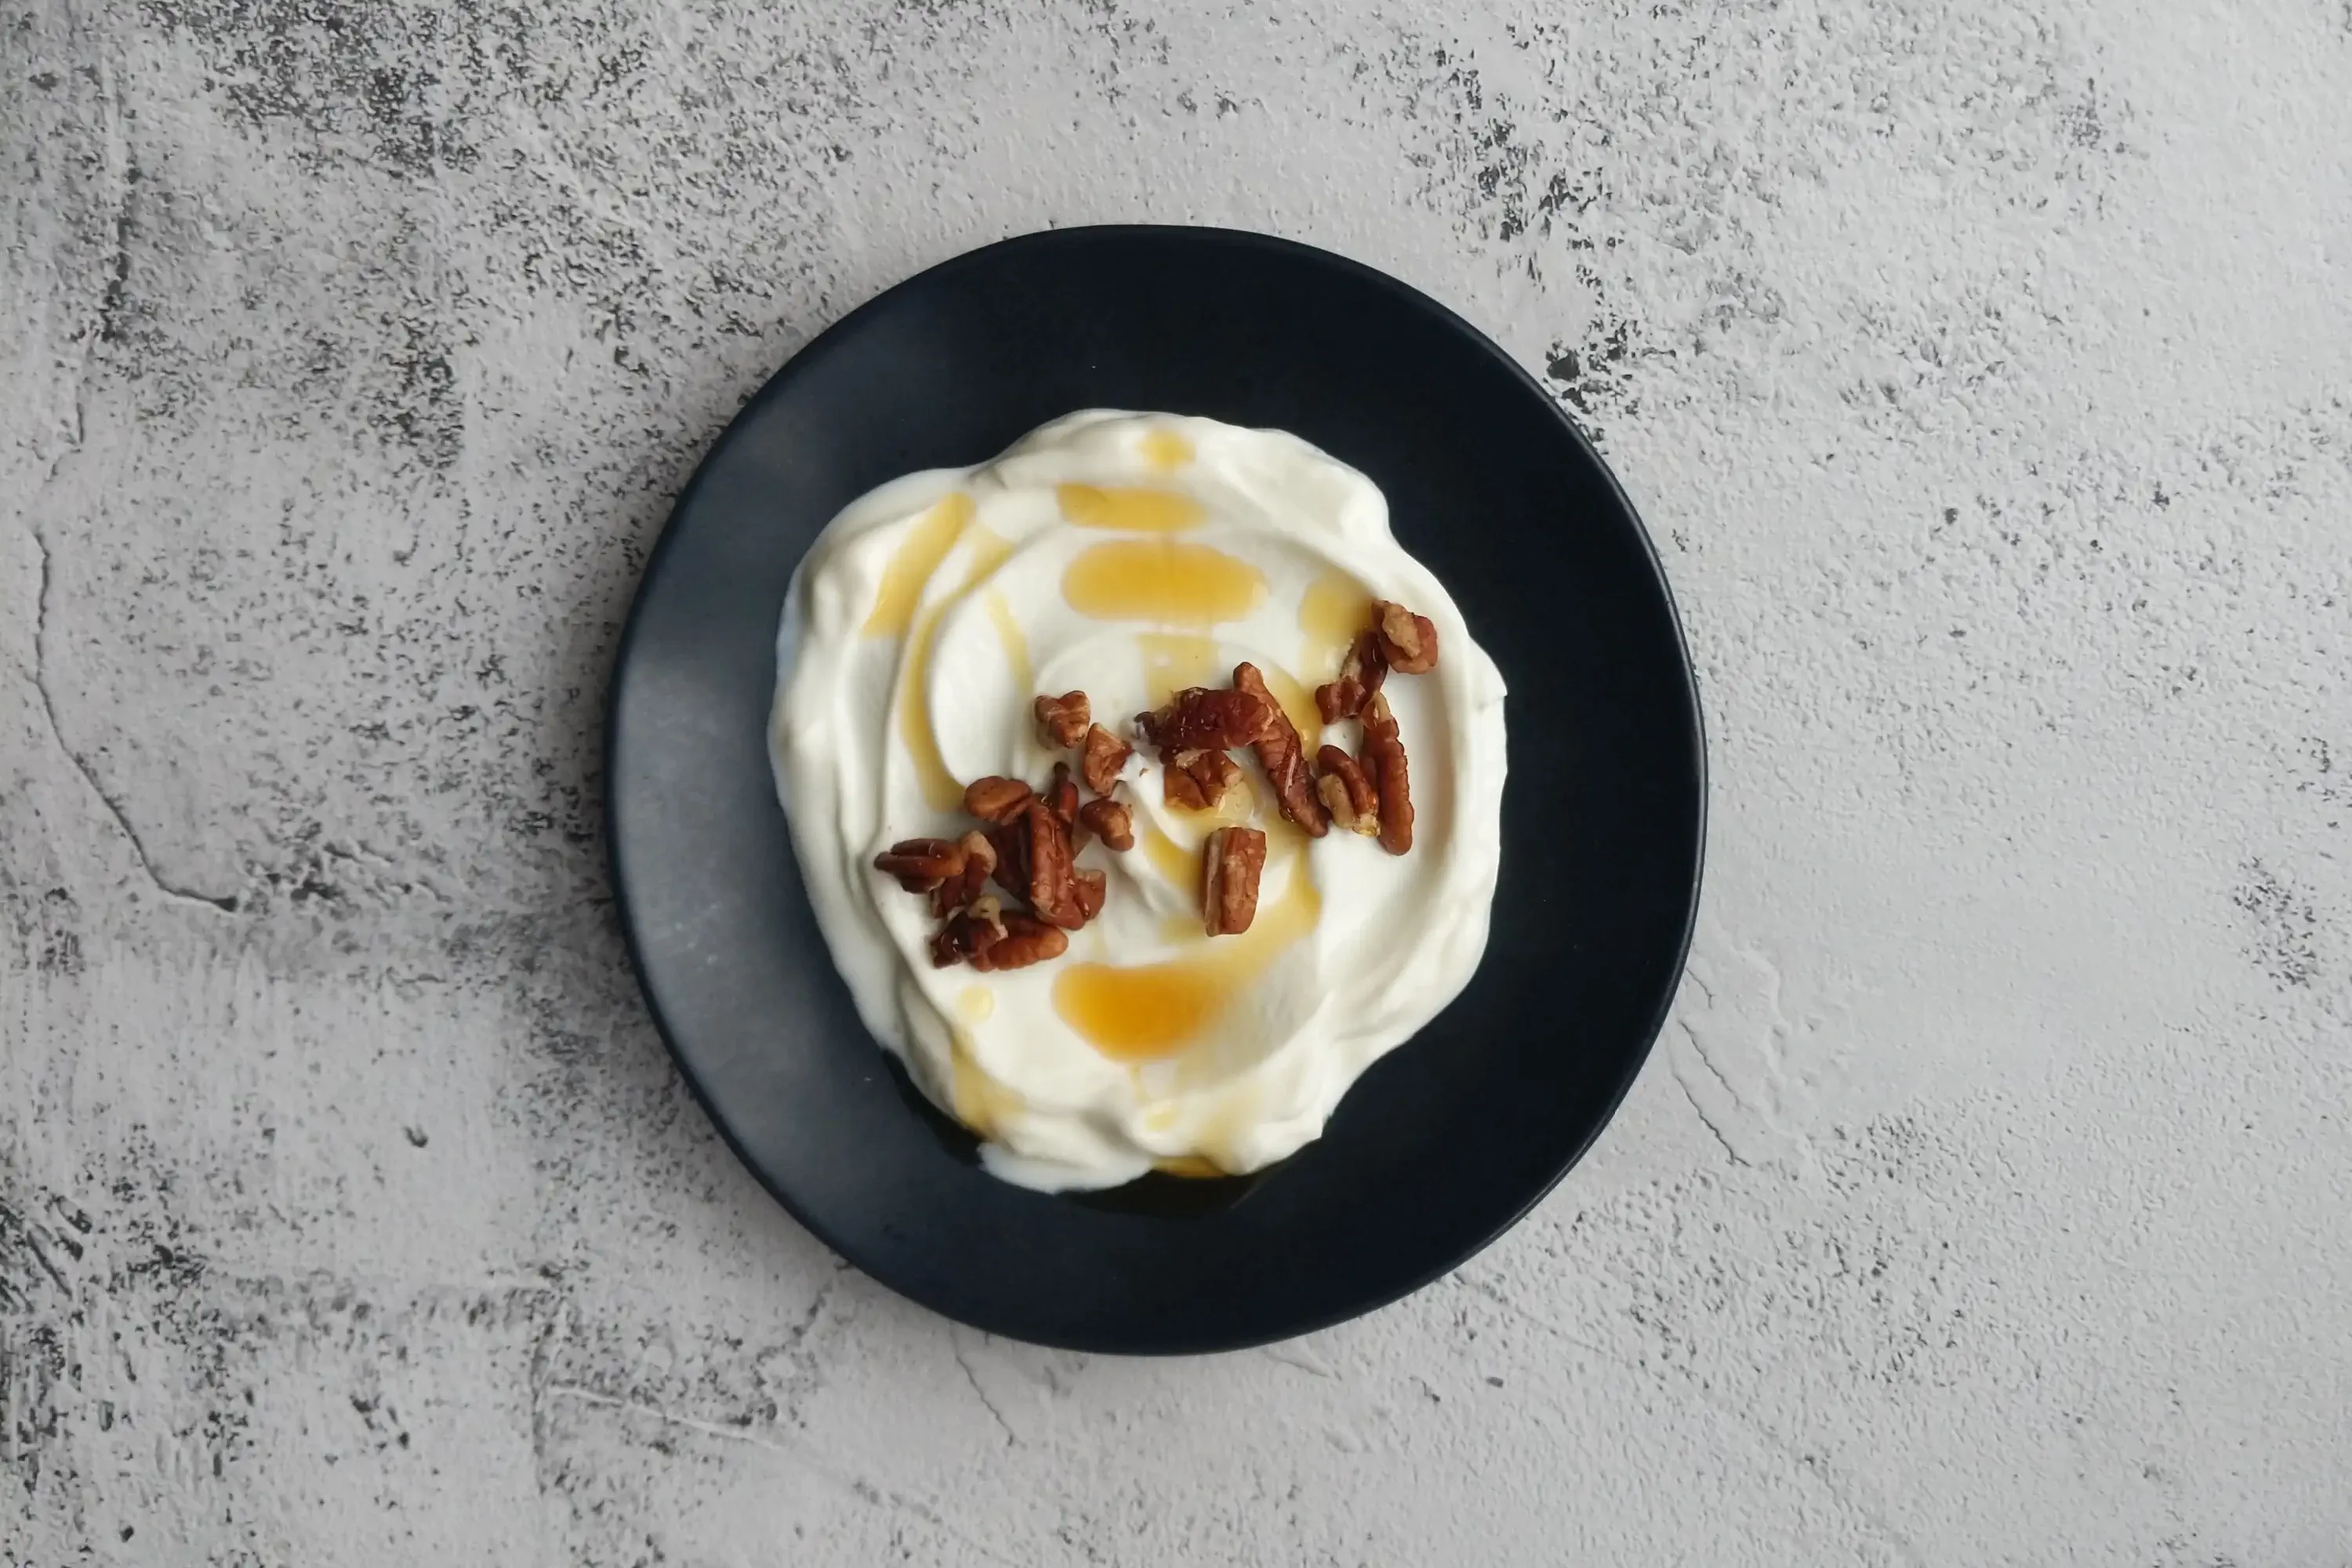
(1029, 848)
(1369, 793)
(1372, 792)
(1029, 843)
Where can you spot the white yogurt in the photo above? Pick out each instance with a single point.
(1127, 555)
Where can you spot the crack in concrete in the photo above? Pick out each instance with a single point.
(226, 905)
(543, 1382)
(1294, 1355)
(708, 1429)
(955, 1344)
(103, 327)
(1691, 1094)
(798, 1374)
(117, 275)
(21, 1235)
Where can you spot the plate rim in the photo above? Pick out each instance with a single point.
(1408, 297)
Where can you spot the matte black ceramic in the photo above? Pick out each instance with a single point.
(1442, 1145)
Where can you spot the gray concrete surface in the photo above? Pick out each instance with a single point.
(1986, 374)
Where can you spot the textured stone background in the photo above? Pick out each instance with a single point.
(1985, 372)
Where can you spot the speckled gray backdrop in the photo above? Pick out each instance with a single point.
(1986, 374)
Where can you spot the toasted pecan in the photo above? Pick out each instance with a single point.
(1062, 721)
(1011, 841)
(1093, 887)
(968, 934)
(1283, 755)
(1101, 758)
(1046, 853)
(1231, 862)
(1354, 804)
(995, 799)
(1200, 717)
(921, 863)
(1110, 821)
(1218, 773)
(1177, 787)
(1026, 941)
(1062, 795)
(1409, 642)
(1360, 674)
(1197, 780)
(979, 861)
(1383, 760)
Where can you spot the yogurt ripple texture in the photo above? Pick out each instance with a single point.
(1130, 555)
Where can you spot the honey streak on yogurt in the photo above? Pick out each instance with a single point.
(1134, 509)
(1169, 581)
(1130, 556)
(1147, 1011)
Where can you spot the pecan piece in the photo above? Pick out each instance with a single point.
(1052, 877)
(978, 860)
(1383, 756)
(1101, 759)
(1200, 718)
(994, 799)
(1231, 861)
(1062, 719)
(921, 863)
(1177, 787)
(1011, 842)
(1217, 772)
(1283, 755)
(1360, 674)
(1355, 804)
(968, 934)
(1094, 887)
(1062, 795)
(1026, 941)
(1111, 822)
(951, 943)
(1197, 781)
(1409, 642)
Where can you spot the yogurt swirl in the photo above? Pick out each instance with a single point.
(1130, 555)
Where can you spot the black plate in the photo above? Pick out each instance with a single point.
(1444, 1143)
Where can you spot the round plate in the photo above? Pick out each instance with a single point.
(1446, 1142)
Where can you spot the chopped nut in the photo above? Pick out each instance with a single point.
(1360, 674)
(1195, 780)
(1062, 795)
(1230, 866)
(978, 860)
(1101, 759)
(1062, 719)
(1355, 804)
(1177, 787)
(921, 863)
(1333, 792)
(1218, 773)
(994, 799)
(1094, 887)
(1110, 821)
(1383, 756)
(1026, 941)
(1200, 718)
(1052, 881)
(1408, 641)
(1283, 755)
(968, 933)
(1011, 842)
